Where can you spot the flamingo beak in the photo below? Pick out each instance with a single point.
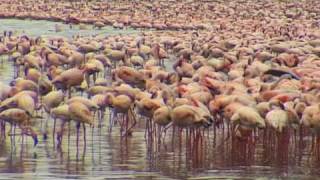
(12, 83)
(35, 140)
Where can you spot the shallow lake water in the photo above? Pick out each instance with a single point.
(47, 28)
(108, 156)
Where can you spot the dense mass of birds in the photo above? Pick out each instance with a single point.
(246, 65)
(173, 15)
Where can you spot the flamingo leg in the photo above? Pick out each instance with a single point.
(69, 133)
(14, 135)
(3, 130)
(126, 121)
(312, 146)
(147, 129)
(110, 120)
(101, 117)
(164, 130)
(45, 136)
(134, 120)
(1, 125)
(54, 130)
(103, 111)
(159, 134)
(78, 131)
(92, 132)
(60, 135)
(173, 133)
(84, 134)
(121, 123)
(11, 137)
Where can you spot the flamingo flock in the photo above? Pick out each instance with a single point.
(168, 15)
(249, 75)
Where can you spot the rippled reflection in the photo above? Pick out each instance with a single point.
(194, 154)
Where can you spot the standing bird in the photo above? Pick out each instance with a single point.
(81, 114)
(162, 117)
(15, 116)
(186, 116)
(50, 101)
(247, 118)
(69, 78)
(122, 104)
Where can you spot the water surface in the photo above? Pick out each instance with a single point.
(47, 28)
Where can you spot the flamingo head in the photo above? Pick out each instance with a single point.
(207, 120)
(14, 91)
(30, 132)
(109, 99)
(58, 82)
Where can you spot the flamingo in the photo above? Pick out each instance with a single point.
(81, 114)
(122, 104)
(15, 116)
(69, 78)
